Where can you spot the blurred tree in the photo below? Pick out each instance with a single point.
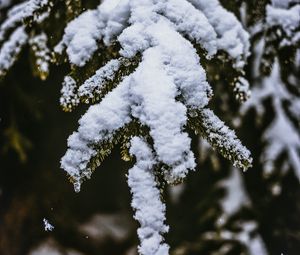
(256, 212)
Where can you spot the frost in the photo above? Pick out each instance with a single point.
(225, 140)
(150, 211)
(95, 83)
(47, 225)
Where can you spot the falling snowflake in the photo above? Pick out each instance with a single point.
(47, 226)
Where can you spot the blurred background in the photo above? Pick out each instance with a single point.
(217, 210)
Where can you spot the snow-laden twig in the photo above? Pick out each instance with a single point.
(19, 13)
(170, 69)
(11, 49)
(280, 15)
(150, 211)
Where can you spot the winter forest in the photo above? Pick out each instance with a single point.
(150, 127)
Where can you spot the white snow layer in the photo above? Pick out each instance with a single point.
(281, 135)
(288, 19)
(208, 24)
(154, 91)
(225, 139)
(283, 3)
(83, 35)
(232, 38)
(253, 243)
(81, 38)
(236, 198)
(18, 13)
(13, 28)
(94, 84)
(4, 3)
(170, 68)
(98, 124)
(150, 211)
(11, 48)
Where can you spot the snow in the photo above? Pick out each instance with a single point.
(51, 247)
(155, 91)
(98, 124)
(12, 30)
(18, 13)
(47, 225)
(199, 21)
(114, 15)
(286, 18)
(168, 83)
(147, 91)
(94, 84)
(82, 35)
(242, 89)
(188, 20)
(170, 68)
(236, 196)
(254, 244)
(81, 38)
(69, 96)
(232, 38)
(42, 53)
(283, 3)
(150, 211)
(281, 135)
(101, 227)
(246, 236)
(181, 63)
(4, 3)
(225, 140)
(11, 48)
(235, 199)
